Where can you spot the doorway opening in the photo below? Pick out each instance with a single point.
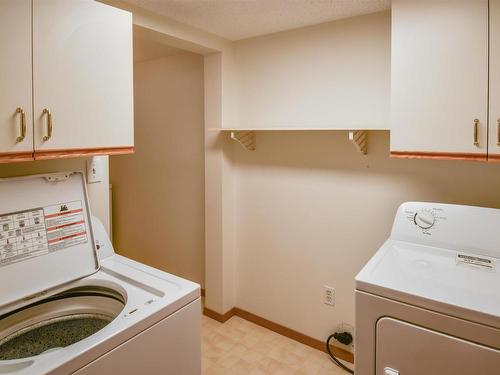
(158, 193)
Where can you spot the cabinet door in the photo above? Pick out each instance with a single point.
(15, 81)
(83, 78)
(494, 135)
(439, 79)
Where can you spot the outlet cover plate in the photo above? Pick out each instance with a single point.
(328, 295)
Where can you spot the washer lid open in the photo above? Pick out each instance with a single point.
(46, 237)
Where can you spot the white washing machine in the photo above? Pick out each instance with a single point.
(428, 302)
(70, 305)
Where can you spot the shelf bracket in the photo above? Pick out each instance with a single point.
(359, 139)
(245, 138)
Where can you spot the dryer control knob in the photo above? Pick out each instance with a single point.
(424, 219)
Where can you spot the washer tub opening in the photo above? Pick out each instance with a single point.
(57, 321)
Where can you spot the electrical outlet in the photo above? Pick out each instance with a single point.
(328, 295)
(346, 327)
(94, 169)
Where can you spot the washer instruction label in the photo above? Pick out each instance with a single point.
(38, 231)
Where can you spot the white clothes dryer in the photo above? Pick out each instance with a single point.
(428, 302)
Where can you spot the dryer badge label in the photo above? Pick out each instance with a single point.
(476, 261)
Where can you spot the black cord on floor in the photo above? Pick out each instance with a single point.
(335, 358)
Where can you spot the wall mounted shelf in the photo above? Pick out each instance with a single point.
(360, 140)
(246, 137)
(277, 129)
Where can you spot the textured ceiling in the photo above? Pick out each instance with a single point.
(240, 19)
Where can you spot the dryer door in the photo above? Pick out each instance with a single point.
(407, 349)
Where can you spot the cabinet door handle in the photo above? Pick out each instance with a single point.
(498, 131)
(22, 125)
(47, 136)
(476, 132)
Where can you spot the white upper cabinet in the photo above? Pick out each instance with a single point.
(83, 78)
(16, 130)
(66, 79)
(494, 134)
(439, 79)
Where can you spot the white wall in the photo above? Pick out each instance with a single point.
(310, 211)
(98, 192)
(220, 102)
(158, 192)
(335, 74)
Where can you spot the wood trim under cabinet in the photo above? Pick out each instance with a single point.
(72, 153)
(494, 158)
(438, 155)
(282, 330)
(11, 157)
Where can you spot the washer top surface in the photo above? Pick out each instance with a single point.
(440, 266)
(150, 295)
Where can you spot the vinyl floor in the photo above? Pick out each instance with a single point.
(241, 347)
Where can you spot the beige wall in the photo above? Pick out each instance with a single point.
(335, 74)
(98, 192)
(158, 192)
(311, 211)
(307, 209)
(220, 110)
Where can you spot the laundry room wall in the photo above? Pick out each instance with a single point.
(158, 192)
(98, 192)
(310, 211)
(332, 75)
